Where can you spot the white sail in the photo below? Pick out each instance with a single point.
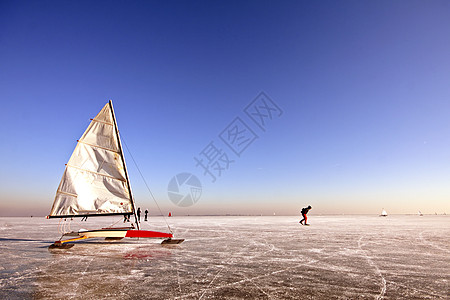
(383, 213)
(94, 181)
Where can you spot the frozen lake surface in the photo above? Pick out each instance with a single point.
(364, 257)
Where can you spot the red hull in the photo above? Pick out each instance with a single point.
(147, 234)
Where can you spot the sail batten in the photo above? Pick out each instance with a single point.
(95, 180)
(67, 193)
(100, 174)
(100, 147)
(104, 122)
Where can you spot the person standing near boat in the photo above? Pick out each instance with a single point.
(139, 214)
(146, 213)
(305, 210)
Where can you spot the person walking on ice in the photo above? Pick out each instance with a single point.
(305, 210)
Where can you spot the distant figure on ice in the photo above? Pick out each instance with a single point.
(305, 210)
(139, 214)
(146, 213)
(126, 218)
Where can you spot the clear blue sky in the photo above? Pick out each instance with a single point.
(364, 87)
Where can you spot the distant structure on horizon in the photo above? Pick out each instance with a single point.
(383, 213)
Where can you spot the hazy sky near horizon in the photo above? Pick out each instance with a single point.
(357, 114)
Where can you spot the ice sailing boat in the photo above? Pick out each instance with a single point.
(383, 213)
(95, 183)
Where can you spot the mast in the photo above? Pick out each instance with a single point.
(124, 165)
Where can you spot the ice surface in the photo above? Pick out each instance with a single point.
(235, 258)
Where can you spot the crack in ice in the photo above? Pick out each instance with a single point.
(369, 259)
(428, 243)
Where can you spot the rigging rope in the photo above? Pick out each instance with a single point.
(60, 226)
(148, 188)
(111, 226)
